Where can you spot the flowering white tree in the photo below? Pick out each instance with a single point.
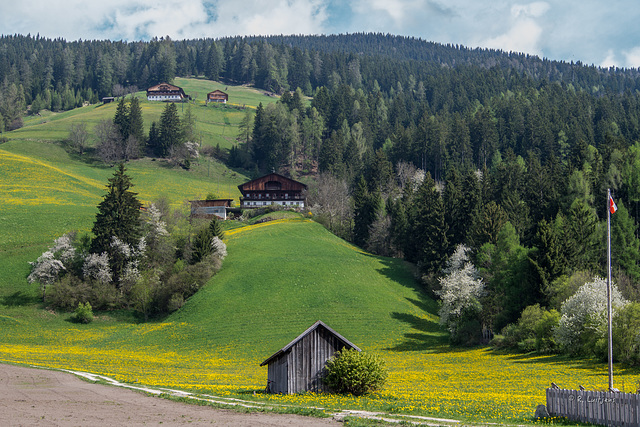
(218, 247)
(153, 218)
(97, 267)
(53, 262)
(586, 310)
(461, 289)
(126, 259)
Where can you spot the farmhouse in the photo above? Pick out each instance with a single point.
(217, 96)
(299, 366)
(209, 208)
(272, 189)
(165, 92)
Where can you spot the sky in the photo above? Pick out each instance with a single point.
(602, 33)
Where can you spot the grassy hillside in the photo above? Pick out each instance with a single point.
(279, 278)
(216, 124)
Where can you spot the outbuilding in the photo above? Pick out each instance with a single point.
(209, 208)
(217, 96)
(299, 366)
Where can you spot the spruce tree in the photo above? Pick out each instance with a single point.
(364, 212)
(121, 119)
(153, 143)
(136, 122)
(170, 129)
(118, 214)
(428, 227)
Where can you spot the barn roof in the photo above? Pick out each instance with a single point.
(163, 87)
(271, 177)
(313, 327)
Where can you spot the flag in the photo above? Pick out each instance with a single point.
(612, 205)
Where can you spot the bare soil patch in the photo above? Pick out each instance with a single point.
(39, 397)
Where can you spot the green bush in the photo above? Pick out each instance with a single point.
(83, 314)
(353, 372)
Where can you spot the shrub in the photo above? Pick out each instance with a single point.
(626, 334)
(584, 317)
(355, 372)
(461, 289)
(83, 314)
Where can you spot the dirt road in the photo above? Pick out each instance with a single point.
(38, 397)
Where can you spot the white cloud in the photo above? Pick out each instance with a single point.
(610, 60)
(632, 57)
(134, 19)
(524, 33)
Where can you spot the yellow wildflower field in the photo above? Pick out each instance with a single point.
(475, 384)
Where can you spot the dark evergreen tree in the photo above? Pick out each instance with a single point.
(366, 205)
(427, 230)
(153, 142)
(118, 214)
(136, 122)
(170, 132)
(121, 118)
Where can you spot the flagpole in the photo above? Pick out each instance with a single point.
(610, 331)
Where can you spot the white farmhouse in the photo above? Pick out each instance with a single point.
(165, 92)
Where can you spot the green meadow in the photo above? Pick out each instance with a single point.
(278, 279)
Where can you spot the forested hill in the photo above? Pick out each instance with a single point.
(92, 69)
(448, 55)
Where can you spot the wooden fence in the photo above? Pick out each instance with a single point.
(596, 407)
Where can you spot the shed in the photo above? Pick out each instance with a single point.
(210, 208)
(217, 96)
(299, 366)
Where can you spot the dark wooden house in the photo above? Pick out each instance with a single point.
(299, 366)
(165, 92)
(210, 208)
(217, 96)
(273, 189)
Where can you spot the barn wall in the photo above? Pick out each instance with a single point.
(307, 358)
(277, 375)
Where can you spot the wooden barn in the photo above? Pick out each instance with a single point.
(165, 92)
(217, 96)
(273, 189)
(210, 208)
(299, 366)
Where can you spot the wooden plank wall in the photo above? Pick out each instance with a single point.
(307, 358)
(277, 376)
(605, 408)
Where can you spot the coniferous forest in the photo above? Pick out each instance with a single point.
(487, 169)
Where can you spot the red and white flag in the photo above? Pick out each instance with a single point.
(612, 205)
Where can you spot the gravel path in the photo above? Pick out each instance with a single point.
(39, 397)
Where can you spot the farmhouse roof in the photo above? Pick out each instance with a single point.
(313, 327)
(164, 87)
(254, 183)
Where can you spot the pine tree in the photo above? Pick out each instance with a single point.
(121, 119)
(153, 143)
(366, 207)
(170, 129)
(118, 214)
(428, 228)
(136, 122)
